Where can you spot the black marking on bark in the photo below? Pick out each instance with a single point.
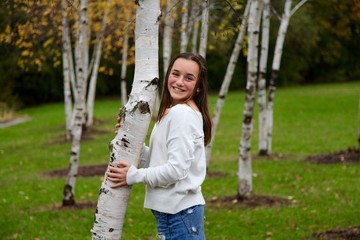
(144, 107)
(111, 147)
(154, 82)
(262, 75)
(125, 142)
(72, 153)
(68, 196)
(103, 190)
(222, 96)
(247, 119)
(112, 157)
(159, 18)
(137, 2)
(111, 229)
(273, 79)
(263, 152)
(122, 113)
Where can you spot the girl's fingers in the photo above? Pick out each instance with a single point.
(123, 164)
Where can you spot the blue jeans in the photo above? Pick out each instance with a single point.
(185, 225)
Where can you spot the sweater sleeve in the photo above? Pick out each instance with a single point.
(180, 144)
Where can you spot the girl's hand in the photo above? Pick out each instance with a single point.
(118, 174)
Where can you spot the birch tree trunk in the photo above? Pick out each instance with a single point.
(285, 19)
(168, 32)
(195, 36)
(195, 8)
(136, 116)
(227, 80)
(262, 76)
(204, 27)
(66, 45)
(95, 69)
(123, 69)
(69, 189)
(245, 172)
(274, 75)
(184, 39)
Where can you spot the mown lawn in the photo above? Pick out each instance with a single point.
(308, 120)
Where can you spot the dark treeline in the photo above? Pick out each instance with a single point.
(322, 45)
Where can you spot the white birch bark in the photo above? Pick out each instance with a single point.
(128, 142)
(66, 69)
(227, 79)
(195, 9)
(245, 171)
(95, 69)
(195, 36)
(204, 27)
(168, 32)
(285, 19)
(123, 87)
(262, 76)
(184, 39)
(274, 74)
(69, 189)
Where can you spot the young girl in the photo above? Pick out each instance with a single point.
(175, 163)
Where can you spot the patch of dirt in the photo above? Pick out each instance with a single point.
(215, 174)
(77, 206)
(83, 171)
(350, 155)
(349, 233)
(253, 201)
(87, 133)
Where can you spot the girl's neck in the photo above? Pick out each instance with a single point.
(190, 103)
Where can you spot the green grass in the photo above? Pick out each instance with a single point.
(308, 120)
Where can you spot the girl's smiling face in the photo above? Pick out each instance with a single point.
(182, 80)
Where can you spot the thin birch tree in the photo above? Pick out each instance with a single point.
(124, 57)
(245, 171)
(204, 27)
(168, 33)
(227, 79)
(95, 69)
(184, 39)
(275, 70)
(136, 116)
(66, 56)
(81, 70)
(262, 76)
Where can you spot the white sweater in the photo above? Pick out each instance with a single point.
(176, 162)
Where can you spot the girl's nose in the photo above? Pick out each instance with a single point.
(180, 81)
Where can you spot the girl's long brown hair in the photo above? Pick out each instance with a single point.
(199, 95)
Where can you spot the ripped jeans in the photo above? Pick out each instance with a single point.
(185, 225)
